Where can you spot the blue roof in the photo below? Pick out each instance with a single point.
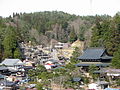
(92, 53)
(112, 89)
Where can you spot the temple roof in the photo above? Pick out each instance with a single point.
(94, 53)
(92, 63)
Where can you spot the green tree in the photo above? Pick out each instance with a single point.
(70, 67)
(113, 40)
(106, 33)
(116, 59)
(39, 86)
(81, 37)
(73, 36)
(76, 53)
(96, 32)
(32, 74)
(0, 50)
(60, 71)
(93, 68)
(39, 72)
(40, 68)
(9, 43)
(17, 53)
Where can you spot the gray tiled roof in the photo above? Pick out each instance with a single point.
(92, 53)
(106, 57)
(77, 79)
(102, 64)
(3, 68)
(10, 62)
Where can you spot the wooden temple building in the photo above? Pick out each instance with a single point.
(94, 56)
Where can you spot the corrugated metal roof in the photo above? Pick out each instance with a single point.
(10, 62)
(92, 53)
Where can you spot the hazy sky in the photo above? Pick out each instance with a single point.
(78, 7)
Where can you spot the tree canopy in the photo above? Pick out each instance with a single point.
(106, 33)
(116, 59)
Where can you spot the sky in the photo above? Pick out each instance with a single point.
(77, 7)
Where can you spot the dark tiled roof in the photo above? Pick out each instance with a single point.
(77, 79)
(104, 64)
(26, 67)
(92, 53)
(106, 57)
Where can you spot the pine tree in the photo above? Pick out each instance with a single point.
(17, 53)
(76, 53)
(0, 50)
(113, 40)
(73, 36)
(116, 59)
(96, 33)
(9, 43)
(93, 68)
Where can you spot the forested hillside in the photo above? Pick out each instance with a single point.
(41, 27)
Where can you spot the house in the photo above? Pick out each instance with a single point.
(6, 85)
(77, 79)
(12, 64)
(92, 86)
(59, 45)
(109, 72)
(28, 63)
(51, 64)
(100, 85)
(112, 72)
(96, 56)
(4, 70)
